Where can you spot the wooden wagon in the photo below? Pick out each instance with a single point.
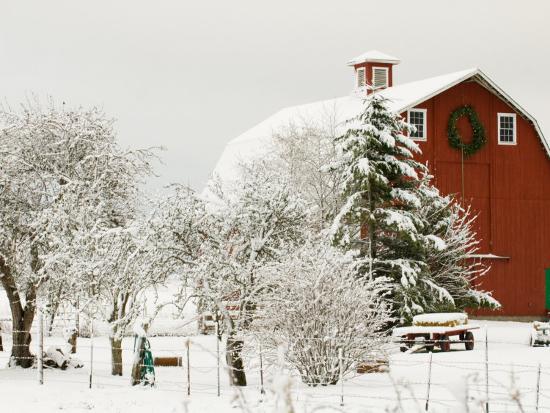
(429, 337)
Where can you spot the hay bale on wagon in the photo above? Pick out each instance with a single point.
(440, 320)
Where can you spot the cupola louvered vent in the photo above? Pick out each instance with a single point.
(361, 80)
(379, 77)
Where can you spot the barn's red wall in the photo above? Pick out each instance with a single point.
(507, 185)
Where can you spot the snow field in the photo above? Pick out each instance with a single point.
(406, 384)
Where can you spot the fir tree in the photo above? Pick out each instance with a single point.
(398, 222)
(379, 214)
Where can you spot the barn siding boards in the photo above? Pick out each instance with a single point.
(507, 185)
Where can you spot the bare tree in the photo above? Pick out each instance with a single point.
(302, 149)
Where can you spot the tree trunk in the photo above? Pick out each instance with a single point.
(118, 313)
(139, 354)
(53, 312)
(237, 376)
(72, 340)
(22, 318)
(20, 351)
(116, 356)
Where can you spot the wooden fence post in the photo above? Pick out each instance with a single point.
(538, 389)
(341, 374)
(188, 370)
(40, 347)
(218, 354)
(262, 390)
(91, 351)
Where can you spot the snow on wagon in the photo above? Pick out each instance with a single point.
(436, 329)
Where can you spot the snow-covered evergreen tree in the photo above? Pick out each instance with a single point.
(379, 217)
(398, 222)
(316, 306)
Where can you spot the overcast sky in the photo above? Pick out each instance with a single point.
(192, 75)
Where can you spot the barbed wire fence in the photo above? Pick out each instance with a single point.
(487, 383)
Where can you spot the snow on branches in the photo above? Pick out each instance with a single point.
(399, 224)
(63, 178)
(258, 223)
(316, 306)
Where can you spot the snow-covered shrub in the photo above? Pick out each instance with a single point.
(316, 305)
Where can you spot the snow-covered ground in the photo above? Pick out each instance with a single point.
(408, 380)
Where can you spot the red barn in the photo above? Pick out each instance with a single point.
(506, 179)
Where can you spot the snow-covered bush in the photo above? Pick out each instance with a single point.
(317, 306)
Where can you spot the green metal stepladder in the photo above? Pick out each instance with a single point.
(147, 370)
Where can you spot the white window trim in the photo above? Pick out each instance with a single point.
(425, 124)
(360, 69)
(513, 115)
(387, 70)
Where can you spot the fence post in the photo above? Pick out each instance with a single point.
(538, 389)
(486, 371)
(91, 351)
(262, 391)
(429, 382)
(188, 370)
(40, 347)
(218, 354)
(77, 317)
(341, 374)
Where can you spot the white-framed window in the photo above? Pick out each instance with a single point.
(379, 77)
(507, 128)
(361, 78)
(418, 118)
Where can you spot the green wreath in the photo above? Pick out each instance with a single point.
(455, 140)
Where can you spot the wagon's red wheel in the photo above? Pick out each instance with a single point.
(469, 343)
(444, 343)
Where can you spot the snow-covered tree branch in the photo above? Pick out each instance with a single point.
(316, 306)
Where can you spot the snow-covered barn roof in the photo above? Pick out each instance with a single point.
(257, 140)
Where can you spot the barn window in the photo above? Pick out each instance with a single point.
(507, 128)
(417, 118)
(379, 77)
(361, 77)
